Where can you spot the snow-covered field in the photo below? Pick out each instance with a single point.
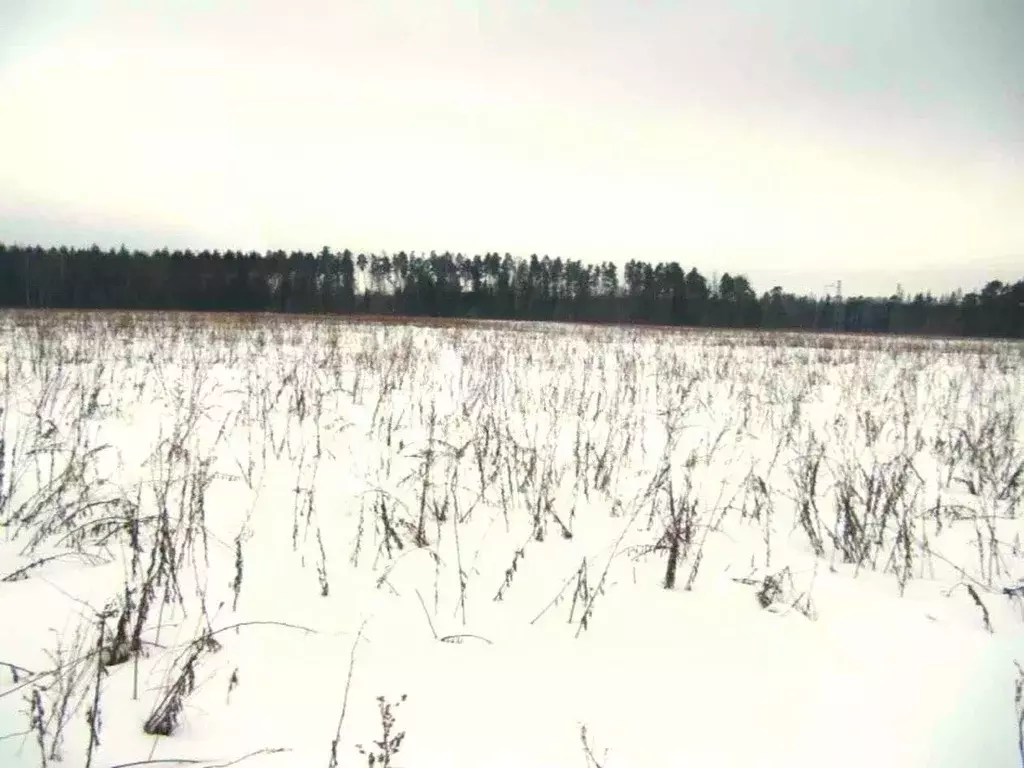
(287, 542)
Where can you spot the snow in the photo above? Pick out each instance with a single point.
(532, 618)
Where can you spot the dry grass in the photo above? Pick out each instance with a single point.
(822, 340)
(537, 433)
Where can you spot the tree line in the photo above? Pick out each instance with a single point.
(480, 286)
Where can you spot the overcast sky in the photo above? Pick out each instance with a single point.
(797, 141)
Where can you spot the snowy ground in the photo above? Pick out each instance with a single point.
(243, 533)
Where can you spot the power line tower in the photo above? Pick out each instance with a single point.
(838, 314)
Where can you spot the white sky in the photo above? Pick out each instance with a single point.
(867, 141)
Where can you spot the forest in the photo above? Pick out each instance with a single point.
(480, 286)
